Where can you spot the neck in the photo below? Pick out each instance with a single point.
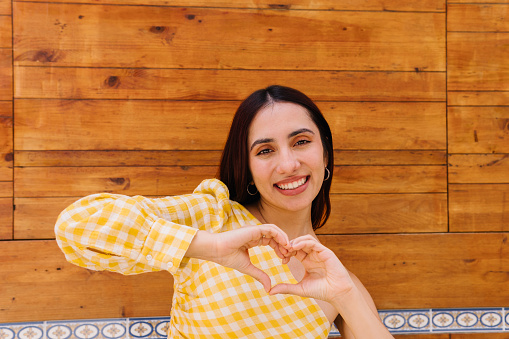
(293, 223)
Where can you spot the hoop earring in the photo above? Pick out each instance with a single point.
(328, 174)
(248, 192)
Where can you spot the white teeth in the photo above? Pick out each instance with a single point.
(292, 185)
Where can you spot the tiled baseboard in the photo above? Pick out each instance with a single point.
(464, 320)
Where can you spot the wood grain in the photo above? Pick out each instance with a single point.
(468, 98)
(81, 181)
(386, 213)
(379, 5)
(478, 17)
(478, 129)
(479, 207)
(345, 157)
(6, 189)
(479, 168)
(163, 37)
(203, 125)
(5, 31)
(6, 147)
(6, 219)
(479, 336)
(34, 218)
(5, 74)
(389, 179)
(5, 7)
(35, 273)
(477, 61)
(108, 83)
(402, 271)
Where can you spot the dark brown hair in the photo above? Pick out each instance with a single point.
(234, 167)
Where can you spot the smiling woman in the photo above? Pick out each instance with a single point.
(236, 271)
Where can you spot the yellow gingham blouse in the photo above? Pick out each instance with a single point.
(132, 235)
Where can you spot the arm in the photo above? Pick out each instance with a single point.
(327, 279)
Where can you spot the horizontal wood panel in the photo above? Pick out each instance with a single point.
(389, 179)
(35, 274)
(6, 130)
(34, 218)
(385, 5)
(170, 37)
(478, 98)
(402, 271)
(105, 83)
(6, 219)
(479, 168)
(387, 125)
(478, 17)
(422, 336)
(5, 31)
(345, 157)
(199, 125)
(6, 189)
(478, 129)
(386, 213)
(81, 181)
(5, 74)
(5, 7)
(479, 208)
(479, 336)
(478, 61)
(116, 158)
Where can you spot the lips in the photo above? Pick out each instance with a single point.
(292, 185)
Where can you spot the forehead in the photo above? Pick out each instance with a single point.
(280, 118)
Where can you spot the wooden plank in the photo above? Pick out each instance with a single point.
(386, 213)
(428, 270)
(111, 125)
(6, 130)
(479, 335)
(105, 83)
(5, 74)
(479, 168)
(5, 7)
(478, 61)
(199, 125)
(6, 189)
(34, 218)
(345, 157)
(116, 158)
(163, 37)
(35, 273)
(81, 181)
(423, 336)
(478, 98)
(387, 125)
(6, 219)
(380, 5)
(389, 179)
(479, 208)
(478, 17)
(5, 32)
(478, 129)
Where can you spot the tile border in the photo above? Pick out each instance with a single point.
(404, 321)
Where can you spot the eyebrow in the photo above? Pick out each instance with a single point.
(291, 135)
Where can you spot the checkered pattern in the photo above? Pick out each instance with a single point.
(132, 235)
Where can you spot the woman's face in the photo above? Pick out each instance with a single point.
(286, 156)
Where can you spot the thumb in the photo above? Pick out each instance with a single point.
(259, 275)
(294, 289)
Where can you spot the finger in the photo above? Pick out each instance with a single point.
(294, 289)
(274, 232)
(259, 275)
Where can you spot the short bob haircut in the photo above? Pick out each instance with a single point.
(234, 168)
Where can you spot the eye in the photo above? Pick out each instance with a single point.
(302, 142)
(264, 151)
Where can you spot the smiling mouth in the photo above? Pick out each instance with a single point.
(292, 185)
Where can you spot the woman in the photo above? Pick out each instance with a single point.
(236, 273)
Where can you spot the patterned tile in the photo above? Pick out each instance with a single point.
(87, 329)
(468, 320)
(407, 321)
(148, 327)
(29, 330)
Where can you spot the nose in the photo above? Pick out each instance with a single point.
(288, 162)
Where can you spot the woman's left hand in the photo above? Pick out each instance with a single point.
(325, 278)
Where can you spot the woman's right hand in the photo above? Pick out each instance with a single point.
(230, 248)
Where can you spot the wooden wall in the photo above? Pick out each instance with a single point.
(136, 96)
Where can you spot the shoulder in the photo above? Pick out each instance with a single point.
(214, 188)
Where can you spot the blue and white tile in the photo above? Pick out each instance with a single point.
(28, 330)
(87, 329)
(468, 320)
(147, 328)
(407, 321)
